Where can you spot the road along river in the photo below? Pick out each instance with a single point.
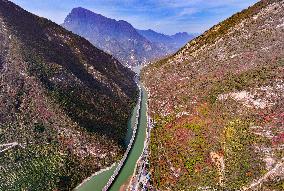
(121, 181)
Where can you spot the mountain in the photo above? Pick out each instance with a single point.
(155, 36)
(119, 38)
(217, 106)
(64, 104)
(173, 42)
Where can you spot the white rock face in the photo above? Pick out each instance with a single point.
(246, 98)
(259, 98)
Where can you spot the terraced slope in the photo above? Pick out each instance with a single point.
(64, 104)
(218, 106)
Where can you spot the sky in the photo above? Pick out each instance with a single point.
(165, 16)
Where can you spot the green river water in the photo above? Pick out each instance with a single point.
(96, 183)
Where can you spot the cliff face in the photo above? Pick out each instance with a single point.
(130, 46)
(116, 37)
(64, 104)
(218, 106)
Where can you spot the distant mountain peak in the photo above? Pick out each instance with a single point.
(175, 41)
(84, 11)
(86, 15)
(181, 33)
(80, 13)
(117, 37)
(81, 10)
(121, 39)
(123, 22)
(150, 30)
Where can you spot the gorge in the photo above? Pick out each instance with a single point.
(97, 104)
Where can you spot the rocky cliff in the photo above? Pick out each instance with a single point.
(130, 46)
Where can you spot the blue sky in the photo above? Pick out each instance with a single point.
(166, 16)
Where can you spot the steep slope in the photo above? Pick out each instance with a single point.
(171, 43)
(218, 106)
(116, 37)
(64, 104)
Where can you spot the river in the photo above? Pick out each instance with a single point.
(96, 183)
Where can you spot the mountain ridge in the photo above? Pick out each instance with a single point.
(119, 38)
(212, 104)
(175, 41)
(64, 104)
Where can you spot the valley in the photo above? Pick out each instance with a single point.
(97, 104)
(122, 180)
(132, 47)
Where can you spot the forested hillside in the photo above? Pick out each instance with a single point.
(64, 104)
(218, 109)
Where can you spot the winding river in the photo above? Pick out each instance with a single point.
(97, 182)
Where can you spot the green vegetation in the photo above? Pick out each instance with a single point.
(275, 185)
(62, 100)
(242, 164)
(194, 127)
(37, 167)
(213, 127)
(248, 79)
(220, 144)
(216, 31)
(42, 167)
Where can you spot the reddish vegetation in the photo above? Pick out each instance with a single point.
(181, 136)
(223, 94)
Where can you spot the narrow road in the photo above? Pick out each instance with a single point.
(8, 146)
(125, 175)
(129, 147)
(118, 177)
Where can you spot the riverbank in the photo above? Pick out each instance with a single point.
(100, 179)
(129, 148)
(83, 184)
(140, 179)
(127, 171)
(118, 177)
